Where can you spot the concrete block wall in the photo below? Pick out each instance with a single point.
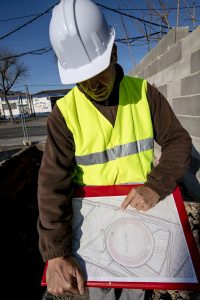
(173, 66)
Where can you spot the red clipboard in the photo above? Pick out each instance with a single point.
(123, 190)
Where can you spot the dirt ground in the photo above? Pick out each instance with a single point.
(21, 260)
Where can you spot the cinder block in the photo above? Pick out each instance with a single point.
(135, 75)
(135, 71)
(182, 68)
(191, 43)
(167, 75)
(146, 73)
(163, 90)
(191, 124)
(151, 69)
(144, 63)
(170, 57)
(187, 105)
(170, 101)
(196, 144)
(196, 155)
(149, 58)
(172, 37)
(174, 89)
(190, 85)
(181, 32)
(195, 61)
(163, 77)
(140, 74)
(157, 150)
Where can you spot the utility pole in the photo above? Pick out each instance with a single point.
(29, 99)
(178, 13)
(33, 108)
(26, 141)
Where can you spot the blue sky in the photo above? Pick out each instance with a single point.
(42, 69)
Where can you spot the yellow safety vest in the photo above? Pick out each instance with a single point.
(107, 155)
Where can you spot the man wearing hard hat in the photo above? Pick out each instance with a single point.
(101, 133)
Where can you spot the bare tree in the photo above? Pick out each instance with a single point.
(11, 71)
(127, 41)
(162, 14)
(191, 11)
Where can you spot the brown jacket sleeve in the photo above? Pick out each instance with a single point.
(175, 145)
(55, 189)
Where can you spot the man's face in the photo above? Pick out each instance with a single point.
(100, 87)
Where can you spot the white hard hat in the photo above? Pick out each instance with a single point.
(81, 39)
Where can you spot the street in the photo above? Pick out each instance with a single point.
(15, 134)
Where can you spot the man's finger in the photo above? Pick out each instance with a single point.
(129, 198)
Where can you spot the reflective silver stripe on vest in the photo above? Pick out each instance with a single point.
(116, 152)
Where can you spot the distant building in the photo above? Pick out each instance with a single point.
(30, 105)
(45, 100)
(16, 103)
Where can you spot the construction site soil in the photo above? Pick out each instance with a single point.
(21, 262)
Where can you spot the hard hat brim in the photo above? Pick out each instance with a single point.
(88, 71)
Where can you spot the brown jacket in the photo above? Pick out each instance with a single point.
(55, 184)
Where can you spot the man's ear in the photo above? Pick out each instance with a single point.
(114, 54)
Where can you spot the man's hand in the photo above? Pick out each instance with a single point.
(141, 198)
(63, 276)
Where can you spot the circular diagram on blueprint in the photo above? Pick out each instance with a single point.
(129, 242)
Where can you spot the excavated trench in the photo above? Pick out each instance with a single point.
(21, 262)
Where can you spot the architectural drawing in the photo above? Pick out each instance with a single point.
(113, 244)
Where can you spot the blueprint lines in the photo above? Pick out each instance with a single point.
(113, 244)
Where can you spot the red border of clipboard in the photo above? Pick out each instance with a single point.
(119, 190)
